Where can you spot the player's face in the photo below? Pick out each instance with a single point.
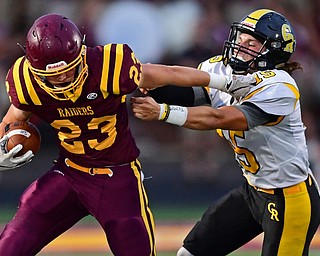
(62, 79)
(251, 44)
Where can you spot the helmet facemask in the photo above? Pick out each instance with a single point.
(232, 49)
(71, 91)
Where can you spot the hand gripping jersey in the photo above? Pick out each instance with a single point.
(272, 155)
(93, 127)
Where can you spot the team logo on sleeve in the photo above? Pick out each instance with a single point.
(92, 96)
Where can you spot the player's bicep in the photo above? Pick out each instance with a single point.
(256, 116)
(231, 118)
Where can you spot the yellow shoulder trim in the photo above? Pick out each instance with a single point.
(116, 69)
(30, 88)
(105, 70)
(17, 83)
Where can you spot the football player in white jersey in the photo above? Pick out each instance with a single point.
(279, 196)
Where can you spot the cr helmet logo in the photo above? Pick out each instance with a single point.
(92, 96)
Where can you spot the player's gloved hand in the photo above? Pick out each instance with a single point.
(239, 85)
(8, 159)
(236, 85)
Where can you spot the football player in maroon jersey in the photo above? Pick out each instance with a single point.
(81, 92)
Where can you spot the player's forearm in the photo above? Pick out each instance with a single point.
(154, 75)
(13, 114)
(208, 118)
(198, 118)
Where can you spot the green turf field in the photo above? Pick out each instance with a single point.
(162, 214)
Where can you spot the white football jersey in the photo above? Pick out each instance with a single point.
(273, 155)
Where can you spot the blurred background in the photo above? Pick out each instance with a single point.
(183, 168)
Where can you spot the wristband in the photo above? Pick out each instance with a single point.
(217, 81)
(164, 112)
(176, 115)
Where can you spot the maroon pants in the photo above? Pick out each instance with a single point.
(63, 196)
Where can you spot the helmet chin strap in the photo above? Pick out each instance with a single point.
(240, 66)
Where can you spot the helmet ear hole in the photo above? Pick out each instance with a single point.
(276, 45)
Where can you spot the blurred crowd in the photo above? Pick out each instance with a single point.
(175, 32)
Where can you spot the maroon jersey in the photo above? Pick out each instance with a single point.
(92, 129)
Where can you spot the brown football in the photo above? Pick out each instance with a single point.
(24, 133)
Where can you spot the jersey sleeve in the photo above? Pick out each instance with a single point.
(19, 86)
(276, 99)
(121, 71)
(11, 90)
(276, 93)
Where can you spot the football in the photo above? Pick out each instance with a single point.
(24, 133)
